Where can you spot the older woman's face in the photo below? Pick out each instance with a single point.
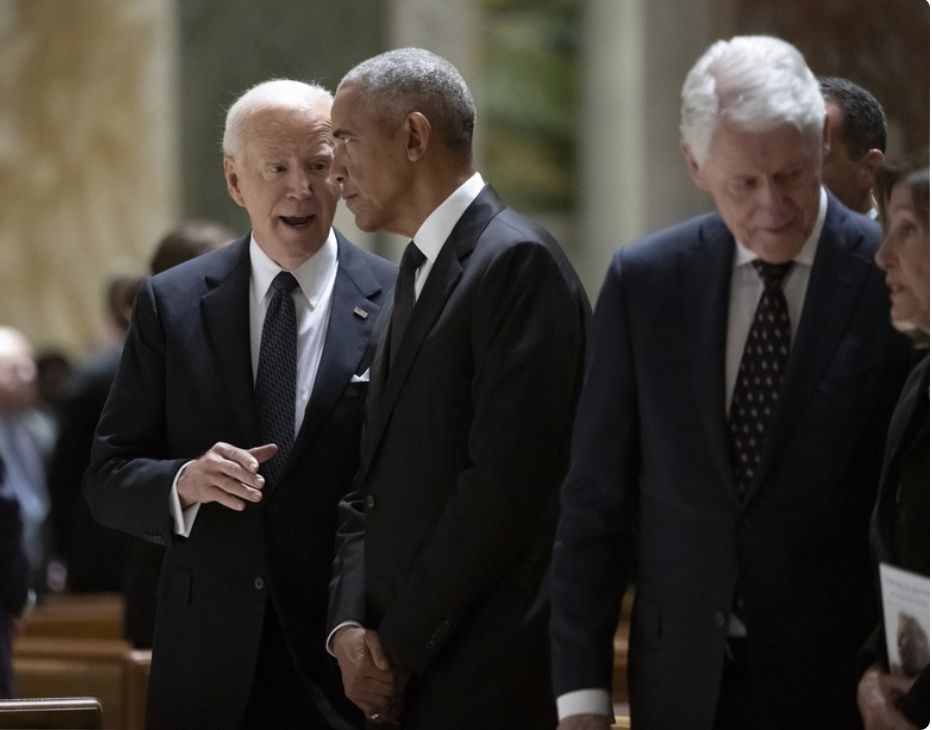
(904, 255)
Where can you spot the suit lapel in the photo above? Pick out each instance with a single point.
(348, 336)
(225, 309)
(705, 268)
(835, 284)
(441, 282)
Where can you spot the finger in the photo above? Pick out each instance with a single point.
(263, 453)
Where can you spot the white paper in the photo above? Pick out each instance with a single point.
(905, 619)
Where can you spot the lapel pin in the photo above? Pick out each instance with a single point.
(360, 312)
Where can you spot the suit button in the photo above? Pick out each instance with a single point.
(370, 501)
(272, 509)
(720, 619)
(259, 583)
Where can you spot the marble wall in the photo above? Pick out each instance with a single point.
(88, 156)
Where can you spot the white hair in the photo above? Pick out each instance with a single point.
(275, 92)
(755, 83)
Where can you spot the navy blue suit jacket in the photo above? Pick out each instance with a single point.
(184, 383)
(651, 496)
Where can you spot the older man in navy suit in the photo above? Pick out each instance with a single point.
(233, 428)
(726, 450)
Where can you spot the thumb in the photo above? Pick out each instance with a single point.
(376, 651)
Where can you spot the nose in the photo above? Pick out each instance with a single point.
(337, 165)
(771, 197)
(883, 257)
(299, 183)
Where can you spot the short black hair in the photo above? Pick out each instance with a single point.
(863, 122)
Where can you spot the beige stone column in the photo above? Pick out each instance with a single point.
(88, 162)
(636, 54)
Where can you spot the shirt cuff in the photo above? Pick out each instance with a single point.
(585, 702)
(184, 518)
(337, 628)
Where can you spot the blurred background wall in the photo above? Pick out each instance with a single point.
(111, 113)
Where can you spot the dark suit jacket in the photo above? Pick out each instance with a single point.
(448, 537)
(900, 523)
(14, 578)
(651, 492)
(186, 382)
(95, 555)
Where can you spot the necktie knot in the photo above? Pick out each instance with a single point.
(772, 274)
(284, 282)
(412, 258)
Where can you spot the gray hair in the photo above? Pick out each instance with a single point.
(275, 92)
(394, 84)
(756, 83)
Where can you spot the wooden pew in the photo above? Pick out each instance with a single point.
(108, 669)
(73, 646)
(73, 713)
(77, 615)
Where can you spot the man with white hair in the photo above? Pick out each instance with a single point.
(726, 450)
(232, 429)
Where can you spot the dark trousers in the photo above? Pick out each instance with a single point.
(280, 696)
(736, 708)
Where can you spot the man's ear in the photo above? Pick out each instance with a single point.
(692, 164)
(417, 135)
(868, 166)
(232, 178)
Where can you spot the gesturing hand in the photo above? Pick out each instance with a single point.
(225, 474)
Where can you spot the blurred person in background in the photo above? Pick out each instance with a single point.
(899, 530)
(27, 434)
(14, 579)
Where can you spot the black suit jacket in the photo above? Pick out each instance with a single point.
(186, 382)
(651, 494)
(447, 539)
(900, 524)
(14, 579)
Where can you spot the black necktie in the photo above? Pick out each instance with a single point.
(404, 294)
(277, 373)
(760, 375)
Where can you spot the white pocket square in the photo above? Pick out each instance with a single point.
(364, 378)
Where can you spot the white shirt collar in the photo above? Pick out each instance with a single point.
(313, 275)
(807, 253)
(435, 230)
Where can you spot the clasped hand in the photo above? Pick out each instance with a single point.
(369, 679)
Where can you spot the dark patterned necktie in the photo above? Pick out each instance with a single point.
(277, 372)
(411, 260)
(760, 375)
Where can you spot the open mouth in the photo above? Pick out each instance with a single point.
(296, 221)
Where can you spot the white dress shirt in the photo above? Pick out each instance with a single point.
(312, 298)
(746, 290)
(438, 226)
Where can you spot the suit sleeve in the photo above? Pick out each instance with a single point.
(14, 567)
(594, 548)
(527, 335)
(129, 479)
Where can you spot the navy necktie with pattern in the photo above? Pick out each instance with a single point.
(277, 372)
(760, 375)
(411, 260)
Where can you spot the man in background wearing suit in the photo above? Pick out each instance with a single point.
(729, 434)
(194, 447)
(856, 128)
(439, 598)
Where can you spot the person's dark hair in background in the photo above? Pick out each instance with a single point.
(857, 142)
